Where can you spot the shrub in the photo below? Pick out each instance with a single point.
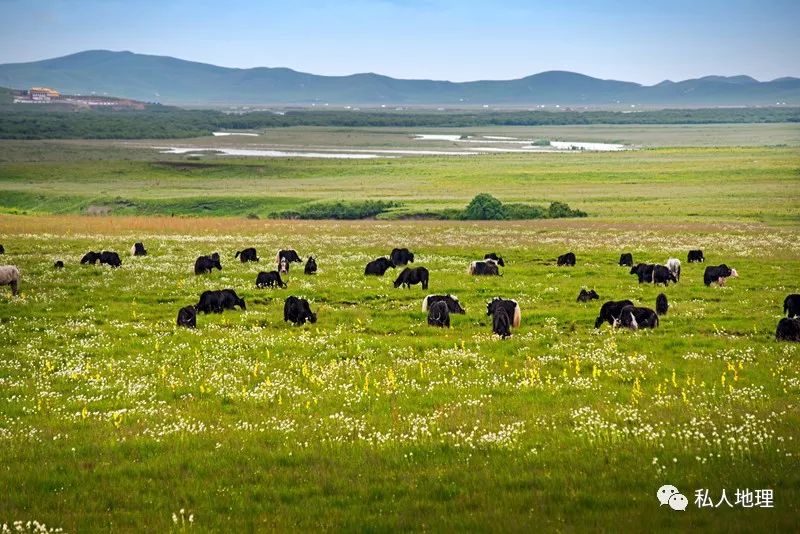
(484, 207)
(339, 210)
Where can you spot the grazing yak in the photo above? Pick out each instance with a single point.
(187, 317)
(788, 330)
(626, 260)
(488, 268)
(718, 274)
(662, 305)
(644, 271)
(138, 250)
(311, 266)
(283, 266)
(289, 255)
(496, 258)
(205, 264)
(453, 305)
(609, 312)
(378, 267)
(439, 314)
(696, 256)
(298, 311)
(634, 317)
(248, 254)
(586, 296)
(791, 305)
(567, 260)
(269, 279)
(216, 301)
(58, 264)
(90, 257)
(9, 276)
(409, 277)
(674, 265)
(401, 256)
(110, 258)
(663, 275)
(510, 306)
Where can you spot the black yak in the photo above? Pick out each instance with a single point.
(488, 268)
(378, 267)
(58, 264)
(567, 260)
(510, 306)
(269, 279)
(663, 275)
(409, 277)
(311, 266)
(626, 260)
(496, 258)
(138, 250)
(289, 255)
(90, 257)
(586, 296)
(187, 317)
(205, 264)
(788, 330)
(401, 256)
(248, 254)
(662, 305)
(696, 256)
(791, 305)
(110, 258)
(298, 311)
(439, 314)
(634, 317)
(501, 324)
(644, 271)
(610, 310)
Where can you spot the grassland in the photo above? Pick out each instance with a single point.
(112, 418)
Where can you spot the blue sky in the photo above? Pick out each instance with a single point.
(639, 41)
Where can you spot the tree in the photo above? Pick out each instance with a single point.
(484, 207)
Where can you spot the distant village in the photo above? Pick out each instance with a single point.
(46, 95)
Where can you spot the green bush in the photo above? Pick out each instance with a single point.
(338, 210)
(484, 207)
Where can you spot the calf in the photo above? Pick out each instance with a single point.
(110, 258)
(378, 267)
(269, 279)
(586, 296)
(695, 256)
(788, 330)
(634, 318)
(409, 277)
(58, 264)
(496, 258)
(791, 305)
(453, 305)
(187, 317)
(401, 256)
(609, 312)
(567, 260)
(644, 271)
(439, 314)
(626, 260)
(488, 268)
(138, 250)
(248, 254)
(90, 257)
(510, 306)
(298, 311)
(205, 264)
(311, 266)
(9, 276)
(718, 274)
(661, 304)
(662, 275)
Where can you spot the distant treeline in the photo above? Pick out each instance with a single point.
(176, 123)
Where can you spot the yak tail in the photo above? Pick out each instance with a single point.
(133, 250)
(278, 257)
(425, 303)
(517, 316)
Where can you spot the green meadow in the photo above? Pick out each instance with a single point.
(114, 419)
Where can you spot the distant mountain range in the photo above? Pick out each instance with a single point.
(175, 81)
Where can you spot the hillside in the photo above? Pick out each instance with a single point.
(170, 80)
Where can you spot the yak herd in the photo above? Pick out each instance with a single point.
(505, 313)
